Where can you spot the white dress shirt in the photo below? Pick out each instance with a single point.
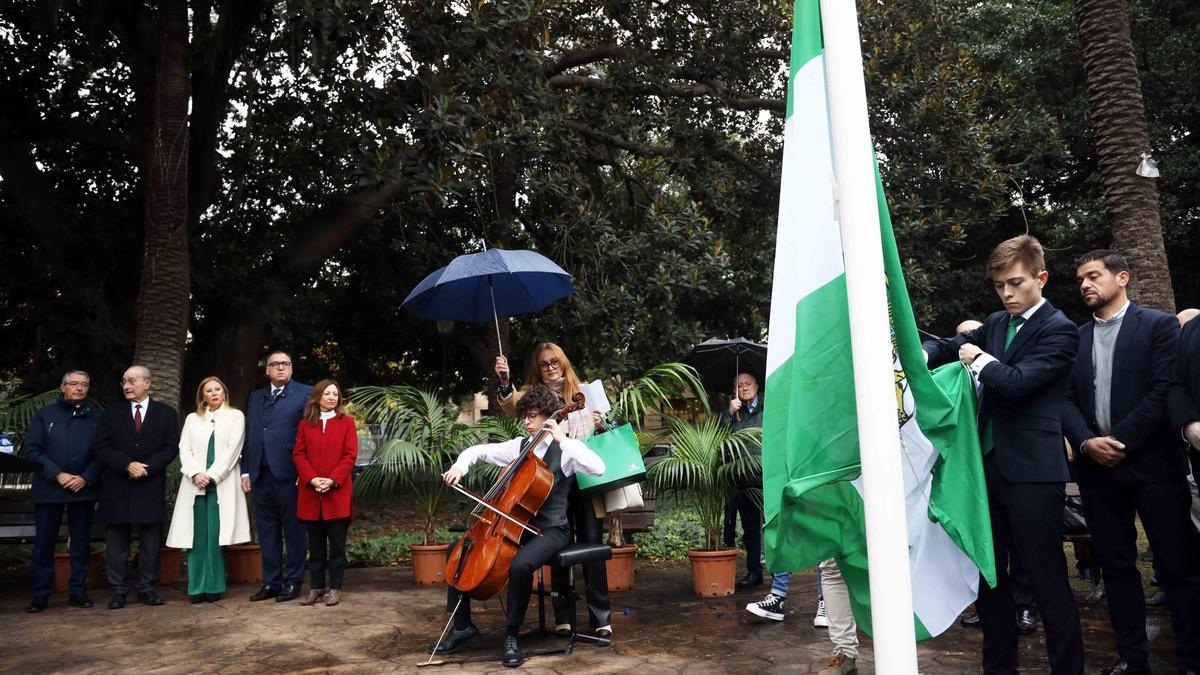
(576, 457)
(145, 403)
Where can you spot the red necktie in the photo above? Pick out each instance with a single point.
(137, 418)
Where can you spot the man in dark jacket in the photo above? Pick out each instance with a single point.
(1130, 461)
(272, 419)
(60, 438)
(745, 410)
(137, 442)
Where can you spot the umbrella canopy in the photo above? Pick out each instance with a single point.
(720, 361)
(480, 287)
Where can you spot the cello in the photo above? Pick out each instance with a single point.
(478, 566)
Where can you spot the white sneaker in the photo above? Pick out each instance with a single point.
(821, 620)
(770, 607)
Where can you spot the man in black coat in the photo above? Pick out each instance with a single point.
(61, 439)
(1130, 461)
(137, 442)
(1185, 394)
(1022, 357)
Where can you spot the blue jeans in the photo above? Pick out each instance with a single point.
(781, 580)
(47, 520)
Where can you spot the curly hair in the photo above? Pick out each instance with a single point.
(538, 399)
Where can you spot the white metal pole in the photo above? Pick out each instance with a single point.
(870, 335)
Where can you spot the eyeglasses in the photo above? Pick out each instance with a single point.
(280, 364)
(552, 364)
(84, 385)
(531, 416)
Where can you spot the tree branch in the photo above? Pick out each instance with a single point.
(584, 56)
(639, 149)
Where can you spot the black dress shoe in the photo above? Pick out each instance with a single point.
(37, 605)
(512, 653)
(456, 639)
(970, 621)
(289, 592)
(750, 580)
(264, 593)
(1027, 621)
(212, 597)
(604, 633)
(198, 598)
(1122, 667)
(82, 601)
(150, 598)
(117, 602)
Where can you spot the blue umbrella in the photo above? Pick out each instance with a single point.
(481, 287)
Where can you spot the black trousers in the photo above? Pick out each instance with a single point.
(275, 516)
(327, 552)
(47, 518)
(744, 505)
(1027, 520)
(116, 556)
(535, 552)
(1164, 508)
(588, 530)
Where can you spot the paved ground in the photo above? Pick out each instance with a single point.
(385, 624)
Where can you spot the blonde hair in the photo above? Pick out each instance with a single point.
(533, 376)
(201, 406)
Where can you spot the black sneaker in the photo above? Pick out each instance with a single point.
(770, 607)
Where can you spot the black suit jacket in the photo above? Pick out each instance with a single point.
(1022, 393)
(1143, 369)
(122, 499)
(1185, 393)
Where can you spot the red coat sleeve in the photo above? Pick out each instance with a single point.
(300, 456)
(341, 474)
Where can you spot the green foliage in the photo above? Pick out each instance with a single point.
(423, 439)
(392, 549)
(706, 462)
(654, 390)
(17, 410)
(674, 533)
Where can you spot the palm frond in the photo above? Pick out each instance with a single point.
(654, 391)
(16, 412)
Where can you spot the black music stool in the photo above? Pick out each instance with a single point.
(568, 559)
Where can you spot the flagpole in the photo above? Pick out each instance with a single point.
(871, 344)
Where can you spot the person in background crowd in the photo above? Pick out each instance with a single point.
(272, 418)
(1022, 357)
(61, 438)
(136, 443)
(843, 631)
(1185, 396)
(772, 606)
(745, 410)
(1131, 464)
(550, 368)
(325, 451)
(210, 509)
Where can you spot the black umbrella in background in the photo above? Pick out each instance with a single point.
(720, 361)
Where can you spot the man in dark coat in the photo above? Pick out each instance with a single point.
(272, 419)
(61, 439)
(1185, 396)
(137, 442)
(745, 410)
(1022, 357)
(1131, 462)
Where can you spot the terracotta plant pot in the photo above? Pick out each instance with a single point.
(620, 568)
(713, 572)
(243, 564)
(169, 561)
(429, 564)
(62, 570)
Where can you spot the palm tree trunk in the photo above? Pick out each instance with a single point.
(164, 296)
(1119, 122)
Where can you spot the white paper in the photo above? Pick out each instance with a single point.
(597, 400)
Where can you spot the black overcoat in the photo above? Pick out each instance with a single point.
(122, 499)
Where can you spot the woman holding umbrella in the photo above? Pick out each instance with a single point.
(551, 368)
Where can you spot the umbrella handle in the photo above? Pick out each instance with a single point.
(495, 317)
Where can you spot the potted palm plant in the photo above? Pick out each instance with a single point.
(704, 466)
(422, 436)
(652, 391)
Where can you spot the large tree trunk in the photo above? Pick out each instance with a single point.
(1119, 122)
(164, 296)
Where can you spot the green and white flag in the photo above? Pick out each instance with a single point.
(812, 489)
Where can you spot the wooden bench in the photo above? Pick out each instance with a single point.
(17, 525)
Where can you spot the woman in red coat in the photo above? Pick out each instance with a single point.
(326, 447)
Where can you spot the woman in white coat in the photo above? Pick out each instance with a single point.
(210, 511)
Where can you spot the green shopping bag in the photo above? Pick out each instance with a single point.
(622, 457)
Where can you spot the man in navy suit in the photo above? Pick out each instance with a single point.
(272, 418)
(1130, 460)
(1022, 357)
